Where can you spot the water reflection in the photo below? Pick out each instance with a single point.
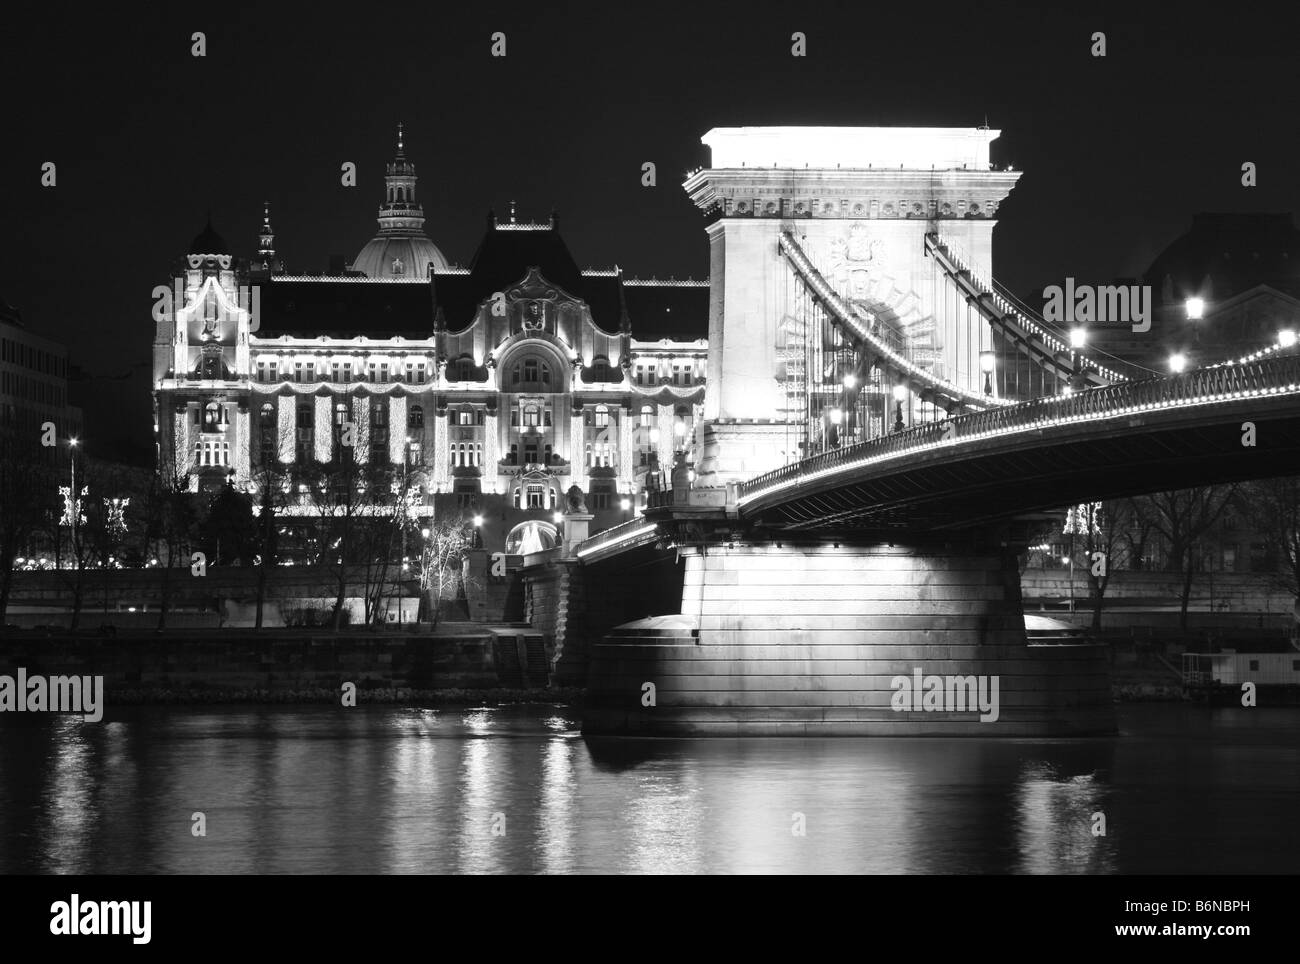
(408, 790)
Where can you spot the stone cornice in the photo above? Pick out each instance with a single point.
(853, 194)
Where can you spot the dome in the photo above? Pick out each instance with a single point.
(392, 256)
(209, 242)
(1226, 254)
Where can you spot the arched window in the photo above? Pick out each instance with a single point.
(415, 417)
(647, 415)
(602, 416)
(211, 415)
(532, 415)
(267, 415)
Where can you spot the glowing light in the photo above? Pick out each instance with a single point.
(478, 521)
(900, 392)
(72, 441)
(557, 517)
(850, 382)
(1286, 338)
(836, 415)
(987, 359)
(424, 533)
(679, 429)
(624, 504)
(1078, 337)
(1195, 308)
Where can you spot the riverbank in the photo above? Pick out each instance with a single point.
(455, 696)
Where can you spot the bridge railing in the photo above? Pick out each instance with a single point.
(1258, 377)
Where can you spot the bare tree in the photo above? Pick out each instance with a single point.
(1182, 517)
(1273, 507)
(27, 486)
(442, 563)
(1103, 528)
(269, 485)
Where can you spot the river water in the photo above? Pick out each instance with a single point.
(1183, 789)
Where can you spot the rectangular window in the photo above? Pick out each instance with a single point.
(536, 494)
(466, 418)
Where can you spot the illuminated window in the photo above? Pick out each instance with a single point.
(602, 416)
(532, 415)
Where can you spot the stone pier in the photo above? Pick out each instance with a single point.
(779, 638)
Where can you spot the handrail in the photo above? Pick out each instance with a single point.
(614, 533)
(1279, 373)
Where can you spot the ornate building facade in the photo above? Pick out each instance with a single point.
(495, 387)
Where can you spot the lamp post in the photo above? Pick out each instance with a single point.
(900, 393)
(478, 533)
(987, 361)
(625, 504)
(1078, 339)
(1195, 308)
(849, 382)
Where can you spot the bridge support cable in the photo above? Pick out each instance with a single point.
(848, 366)
(1027, 335)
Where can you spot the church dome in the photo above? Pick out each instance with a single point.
(209, 242)
(392, 256)
(401, 249)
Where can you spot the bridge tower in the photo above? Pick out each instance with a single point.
(858, 203)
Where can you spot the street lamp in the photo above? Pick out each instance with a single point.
(1177, 362)
(1195, 308)
(1078, 338)
(1286, 338)
(900, 393)
(987, 360)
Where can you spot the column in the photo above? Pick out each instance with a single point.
(626, 473)
(324, 429)
(182, 451)
(491, 452)
(361, 427)
(577, 450)
(243, 443)
(667, 440)
(286, 426)
(440, 455)
(397, 429)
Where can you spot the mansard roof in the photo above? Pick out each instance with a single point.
(677, 310)
(345, 308)
(505, 255)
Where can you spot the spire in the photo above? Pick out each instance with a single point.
(266, 239)
(400, 214)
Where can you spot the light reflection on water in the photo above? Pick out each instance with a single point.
(518, 790)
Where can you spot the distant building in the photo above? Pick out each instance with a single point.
(33, 381)
(1243, 273)
(502, 384)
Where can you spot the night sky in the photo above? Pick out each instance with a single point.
(1118, 152)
